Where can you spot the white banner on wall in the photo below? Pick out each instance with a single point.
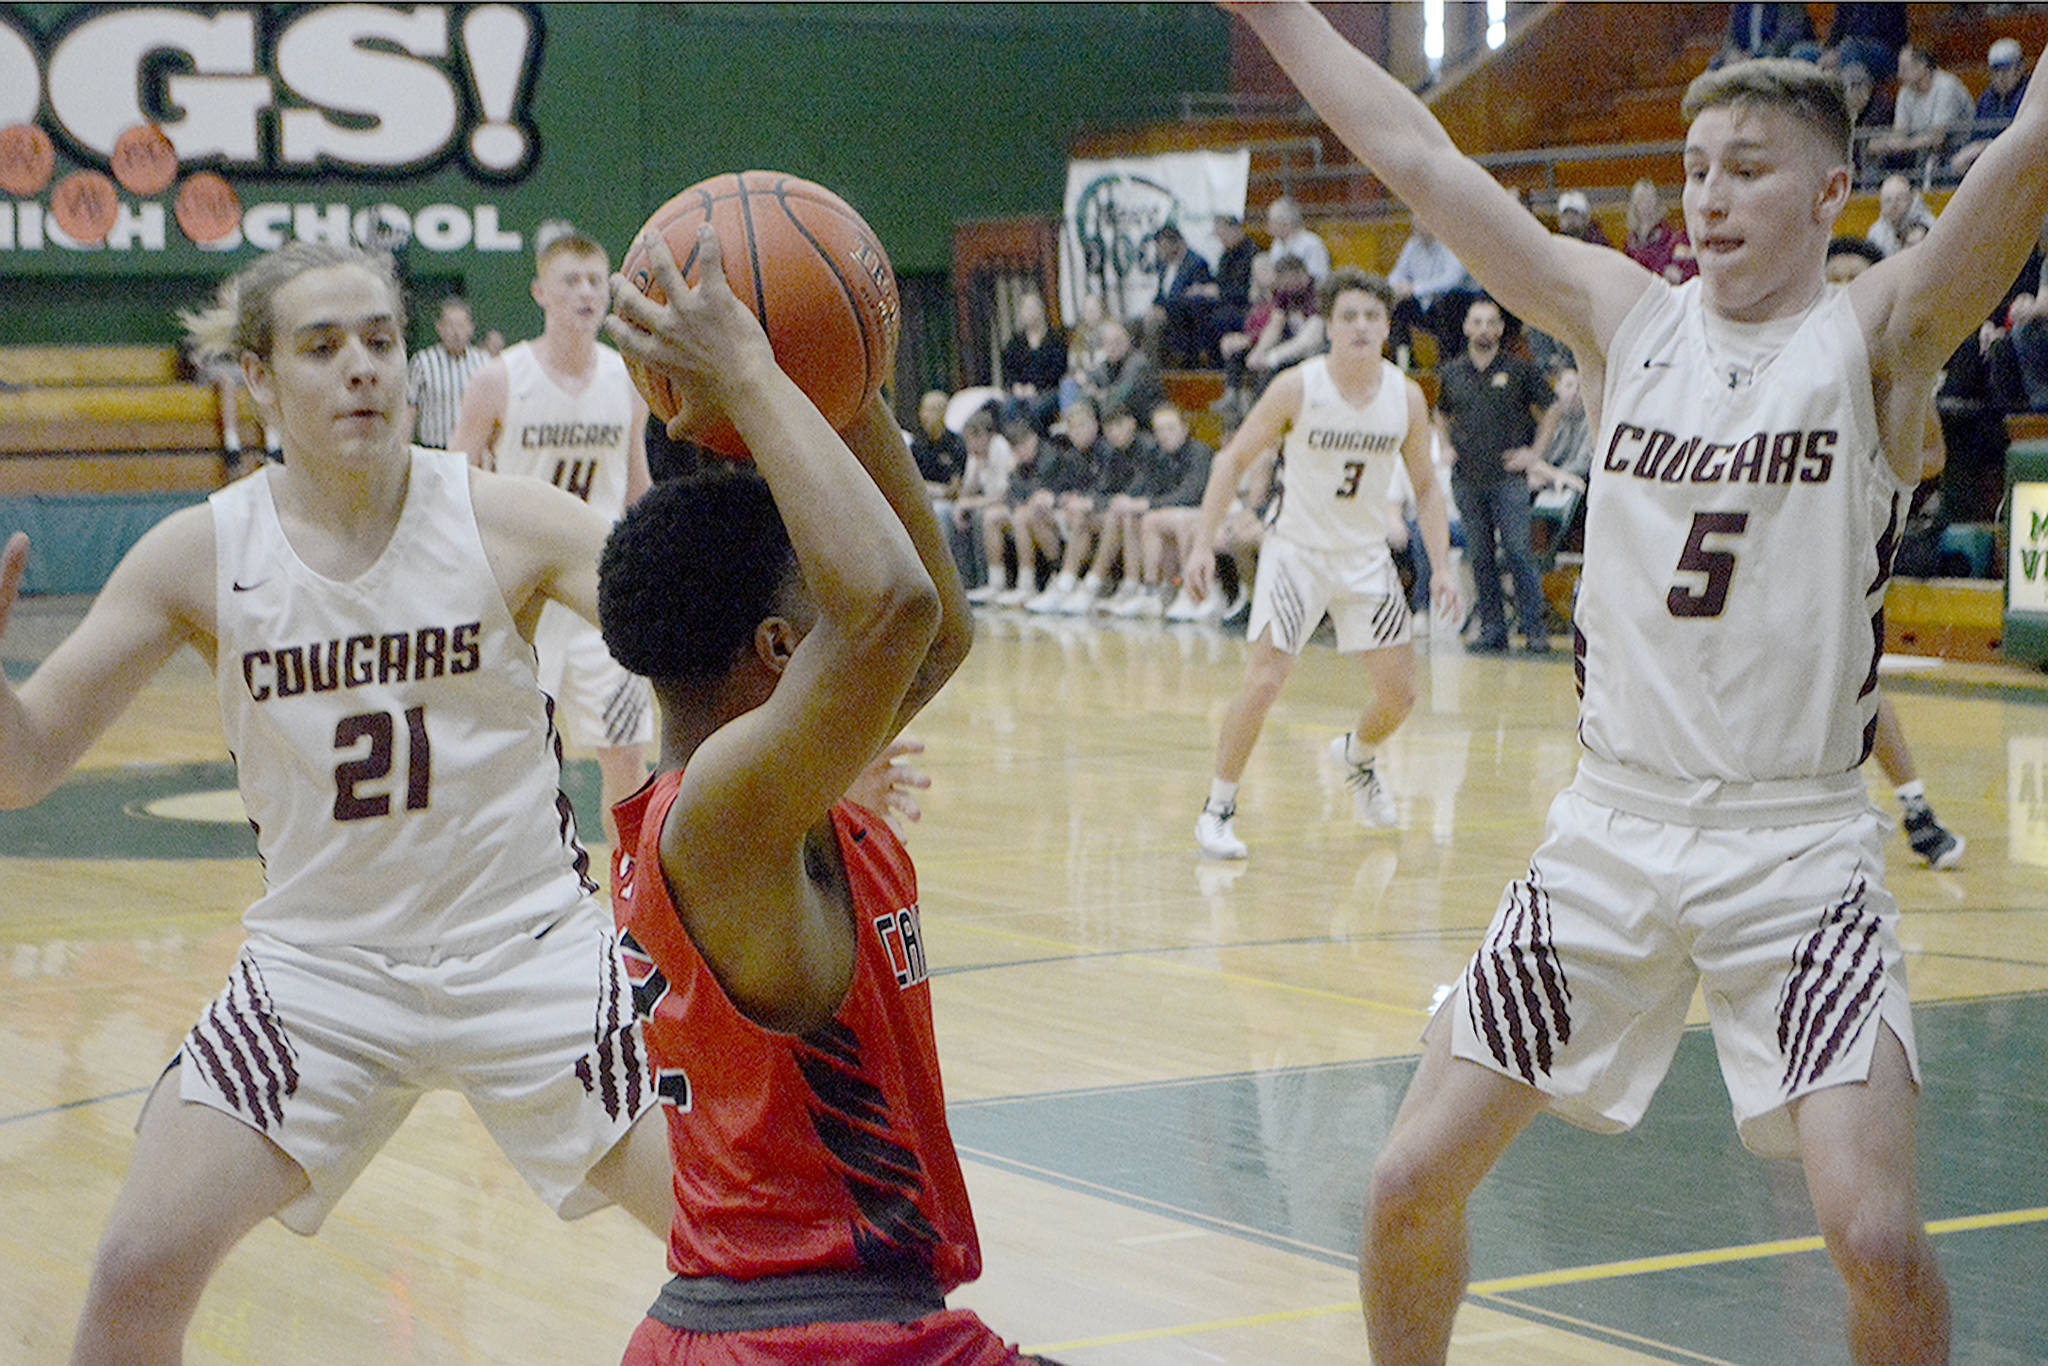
(1114, 207)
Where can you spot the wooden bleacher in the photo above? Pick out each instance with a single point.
(106, 420)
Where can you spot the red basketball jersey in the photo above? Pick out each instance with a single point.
(823, 1152)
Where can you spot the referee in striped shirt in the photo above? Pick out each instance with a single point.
(436, 376)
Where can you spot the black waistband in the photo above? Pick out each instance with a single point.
(719, 1304)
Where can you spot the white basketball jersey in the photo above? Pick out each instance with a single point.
(1739, 535)
(1338, 461)
(392, 746)
(574, 441)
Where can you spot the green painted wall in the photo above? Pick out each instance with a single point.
(920, 115)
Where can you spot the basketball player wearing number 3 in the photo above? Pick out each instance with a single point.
(1759, 432)
(428, 918)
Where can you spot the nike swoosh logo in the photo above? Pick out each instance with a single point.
(241, 587)
(1658, 364)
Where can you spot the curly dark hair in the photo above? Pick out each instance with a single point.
(690, 571)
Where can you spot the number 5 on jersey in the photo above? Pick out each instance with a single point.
(1717, 565)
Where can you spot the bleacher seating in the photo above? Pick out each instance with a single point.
(105, 419)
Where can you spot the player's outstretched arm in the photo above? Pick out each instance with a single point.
(1260, 432)
(159, 597)
(1575, 291)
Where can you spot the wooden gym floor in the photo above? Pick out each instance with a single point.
(1168, 1077)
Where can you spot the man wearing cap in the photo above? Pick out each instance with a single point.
(1575, 219)
(2006, 81)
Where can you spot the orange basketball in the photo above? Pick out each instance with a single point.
(811, 269)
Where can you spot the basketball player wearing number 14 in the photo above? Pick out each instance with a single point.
(1759, 430)
(562, 409)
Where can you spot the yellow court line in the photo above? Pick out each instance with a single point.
(1564, 1276)
(1713, 1256)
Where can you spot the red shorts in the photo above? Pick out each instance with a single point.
(954, 1337)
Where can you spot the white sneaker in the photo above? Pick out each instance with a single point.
(1149, 605)
(1369, 796)
(1079, 598)
(989, 591)
(1240, 608)
(1130, 600)
(1127, 592)
(1183, 607)
(1014, 597)
(1049, 599)
(1211, 608)
(1214, 835)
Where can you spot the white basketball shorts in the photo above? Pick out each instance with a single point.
(1583, 982)
(1360, 591)
(325, 1052)
(597, 704)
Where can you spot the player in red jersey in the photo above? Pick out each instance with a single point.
(791, 620)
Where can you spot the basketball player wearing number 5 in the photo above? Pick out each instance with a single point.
(428, 917)
(1759, 431)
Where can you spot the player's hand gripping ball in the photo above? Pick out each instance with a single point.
(812, 271)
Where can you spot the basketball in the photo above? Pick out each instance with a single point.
(811, 269)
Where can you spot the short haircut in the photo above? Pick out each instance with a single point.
(980, 422)
(1810, 95)
(1168, 233)
(1855, 246)
(1289, 261)
(690, 571)
(1351, 277)
(454, 301)
(558, 237)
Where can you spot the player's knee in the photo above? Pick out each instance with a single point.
(1877, 1242)
(1405, 1194)
(140, 1272)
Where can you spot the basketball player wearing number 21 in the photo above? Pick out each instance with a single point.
(1759, 432)
(428, 918)
(793, 613)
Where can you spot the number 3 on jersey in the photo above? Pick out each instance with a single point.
(1717, 565)
(351, 775)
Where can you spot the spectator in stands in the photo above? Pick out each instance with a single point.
(999, 513)
(1141, 472)
(1233, 283)
(940, 452)
(1575, 219)
(201, 364)
(1135, 383)
(1086, 373)
(2005, 82)
(1176, 326)
(436, 376)
(1900, 211)
(1104, 473)
(1764, 30)
(1034, 360)
(984, 479)
(1290, 237)
(2027, 338)
(1233, 346)
(1932, 110)
(1488, 400)
(1870, 34)
(1870, 114)
(1558, 469)
(1039, 520)
(1173, 497)
(1652, 241)
(1431, 290)
(494, 342)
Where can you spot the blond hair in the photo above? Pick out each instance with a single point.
(239, 317)
(1810, 95)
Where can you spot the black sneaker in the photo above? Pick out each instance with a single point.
(1931, 840)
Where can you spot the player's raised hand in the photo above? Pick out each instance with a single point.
(700, 335)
